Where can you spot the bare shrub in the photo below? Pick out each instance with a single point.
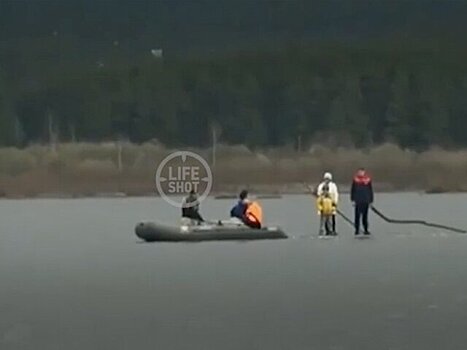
(97, 167)
(93, 167)
(14, 161)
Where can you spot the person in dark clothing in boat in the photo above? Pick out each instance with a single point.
(190, 207)
(238, 211)
(361, 195)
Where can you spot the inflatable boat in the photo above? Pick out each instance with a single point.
(221, 231)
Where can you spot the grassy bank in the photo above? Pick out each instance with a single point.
(86, 169)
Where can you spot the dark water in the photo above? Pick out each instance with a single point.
(74, 276)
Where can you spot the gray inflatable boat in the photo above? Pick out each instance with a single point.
(152, 232)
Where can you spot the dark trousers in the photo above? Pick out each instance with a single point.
(192, 214)
(361, 212)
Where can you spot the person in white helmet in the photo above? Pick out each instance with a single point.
(334, 194)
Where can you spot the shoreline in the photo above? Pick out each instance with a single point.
(217, 195)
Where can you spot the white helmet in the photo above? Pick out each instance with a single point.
(327, 176)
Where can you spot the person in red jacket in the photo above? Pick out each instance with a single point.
(361, 195)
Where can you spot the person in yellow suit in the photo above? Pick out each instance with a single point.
(334, 193)
(326, 210)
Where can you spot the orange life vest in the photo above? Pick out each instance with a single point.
(254, 213)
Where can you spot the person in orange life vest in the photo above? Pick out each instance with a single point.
(361, 195)
(249, 212)
(253, 215)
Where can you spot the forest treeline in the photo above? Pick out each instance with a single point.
(339, 93)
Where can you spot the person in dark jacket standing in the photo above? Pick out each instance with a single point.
(361, 195)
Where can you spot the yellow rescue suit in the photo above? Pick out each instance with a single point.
(325, 206)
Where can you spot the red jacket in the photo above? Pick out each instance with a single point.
(361, 191)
